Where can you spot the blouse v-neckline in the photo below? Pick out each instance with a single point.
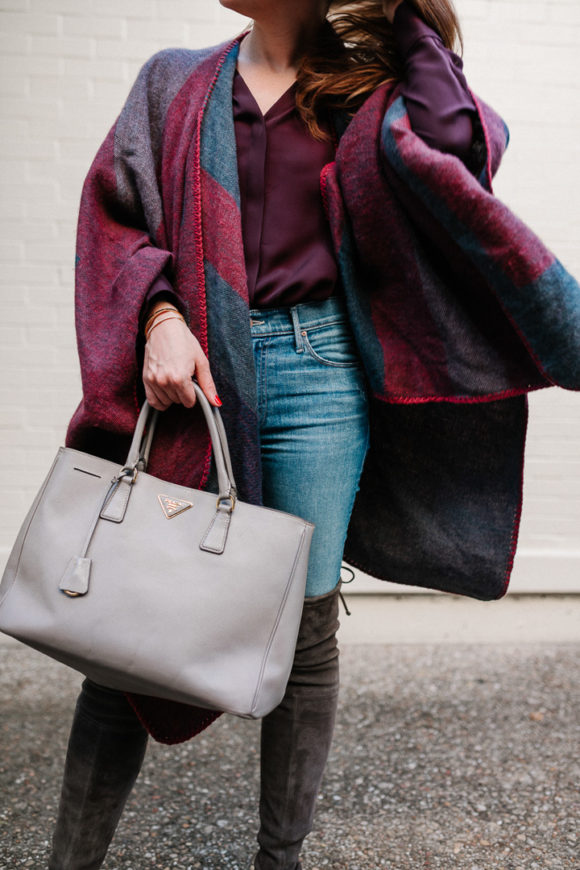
(284, 101)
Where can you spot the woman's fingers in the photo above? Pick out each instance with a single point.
(172, 357)
(168, 388)
(156, 399)
(185, 392)
(205, 380)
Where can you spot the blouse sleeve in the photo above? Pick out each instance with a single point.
(161, 289)
(435, 90)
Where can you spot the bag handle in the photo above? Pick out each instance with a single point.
(75, 581)
(138, 456)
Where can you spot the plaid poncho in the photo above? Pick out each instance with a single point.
(457, 308)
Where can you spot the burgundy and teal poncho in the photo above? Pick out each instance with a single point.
(457, 308)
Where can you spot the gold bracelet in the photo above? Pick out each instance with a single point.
(170, 317)
(160, 311)
(147, 334)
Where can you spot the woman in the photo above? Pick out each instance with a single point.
(199, 254)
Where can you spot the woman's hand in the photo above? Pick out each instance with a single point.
(172, 355)
(390, 7)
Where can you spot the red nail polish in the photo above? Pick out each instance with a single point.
(218, 401)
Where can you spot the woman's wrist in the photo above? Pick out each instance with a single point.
(163, 318)
(159, 302)
(160, 291)
(160, 311)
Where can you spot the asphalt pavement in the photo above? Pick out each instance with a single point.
(449, 752)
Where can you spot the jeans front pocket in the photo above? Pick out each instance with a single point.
(332, 344)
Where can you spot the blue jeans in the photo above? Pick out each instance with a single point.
(313, 419)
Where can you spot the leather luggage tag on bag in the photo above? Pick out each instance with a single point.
(75, 581)
(173, 506)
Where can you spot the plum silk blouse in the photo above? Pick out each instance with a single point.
(288, 250)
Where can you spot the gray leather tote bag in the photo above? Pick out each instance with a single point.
(151, 587)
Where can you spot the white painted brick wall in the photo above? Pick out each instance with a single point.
(65, 69)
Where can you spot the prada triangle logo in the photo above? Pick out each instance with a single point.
(173, 506)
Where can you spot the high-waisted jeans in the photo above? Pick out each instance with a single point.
(313, 419)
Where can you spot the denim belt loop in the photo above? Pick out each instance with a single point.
(297, 330)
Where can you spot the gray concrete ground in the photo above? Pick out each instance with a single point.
(450, 752)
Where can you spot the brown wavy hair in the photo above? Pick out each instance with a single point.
(354, 52)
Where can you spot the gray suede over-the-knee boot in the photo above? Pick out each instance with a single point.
(296, 738)
(106, 749)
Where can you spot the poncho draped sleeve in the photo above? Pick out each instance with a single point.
(129, 237)
(118, 259)
(488, 251)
